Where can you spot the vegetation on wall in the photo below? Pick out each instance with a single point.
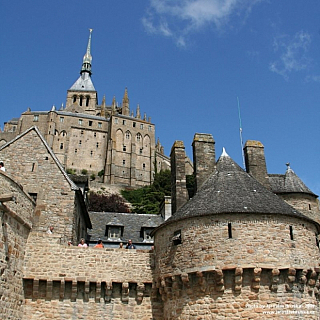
(107, 203)
(148, 198)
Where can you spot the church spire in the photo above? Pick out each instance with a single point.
(86, 64)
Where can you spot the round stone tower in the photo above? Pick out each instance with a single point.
(237, 251)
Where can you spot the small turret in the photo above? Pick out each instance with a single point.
(125, 104)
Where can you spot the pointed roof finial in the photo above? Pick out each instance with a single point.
(87, 59)
(224, 153)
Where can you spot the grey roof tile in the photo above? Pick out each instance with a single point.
(229, 189)
(131, 223)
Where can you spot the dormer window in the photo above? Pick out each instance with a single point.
(146, 234)
(114, 232)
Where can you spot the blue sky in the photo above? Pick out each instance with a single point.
(185, 62)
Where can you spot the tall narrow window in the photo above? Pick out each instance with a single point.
(81, 98)
(229, 230)
(61, 119)
(90, 123)
(61, 146)
(291, 232)
(74, 99)
(123, 162)
(124, 148)
(99, 125)
(80, 122)
(87, 101)
(35, 118)
(32, 169)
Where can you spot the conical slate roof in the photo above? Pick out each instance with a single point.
(230, 189)
(288, 183)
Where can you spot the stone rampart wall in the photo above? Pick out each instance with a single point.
(236, 240)
(238, 293)
(62, 282)
(15, 225)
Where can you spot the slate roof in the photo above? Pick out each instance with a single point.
(83, 84)
(131, 223)
(288, 183)
(229, 189)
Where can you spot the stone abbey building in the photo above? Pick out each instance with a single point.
(110, 139)
(245, 246)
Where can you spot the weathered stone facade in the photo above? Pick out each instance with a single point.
(109, 140)
(16, 213)
(59, 201)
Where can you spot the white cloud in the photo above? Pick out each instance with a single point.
(179, 18)
(293, 54)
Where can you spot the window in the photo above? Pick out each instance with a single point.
(81, 98)
(90, 123)
(291, 232)
(124, 148)
(61, 146)
(150, 128)
(74, 99)
(141, 126)
(61, 119)
(80, 122)
(140, 151)
(75, 150)
(116, 120)
(138, 137)
(87, 100)
(123, 122)
(134, 124)
(33, 196)
(95, 134)
(99, 125)
(144, 166)
(176, 239)
(145, 234)
(123, 162)
(229, 230)
(36, 118)
(80, 141)
(127, 135)
(114, 232)
(91, 153)
(97, 144)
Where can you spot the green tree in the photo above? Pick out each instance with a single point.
(148, 198)
(107, 203)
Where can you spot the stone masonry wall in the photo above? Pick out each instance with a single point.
(233, 266)
(62, 282)
(256, 241)
(15, 225)
(39, 174)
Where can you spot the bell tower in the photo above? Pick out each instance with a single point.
(82, 96)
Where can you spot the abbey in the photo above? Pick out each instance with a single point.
(245, 246)
(109, 140)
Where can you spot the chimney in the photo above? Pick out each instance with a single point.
(179, 192)
(204, 157)
(256, 162)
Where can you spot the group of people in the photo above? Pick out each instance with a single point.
(83, 243)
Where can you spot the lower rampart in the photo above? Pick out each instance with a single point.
(62, 282)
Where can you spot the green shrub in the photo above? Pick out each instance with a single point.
(101, 173)
(84, 171)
